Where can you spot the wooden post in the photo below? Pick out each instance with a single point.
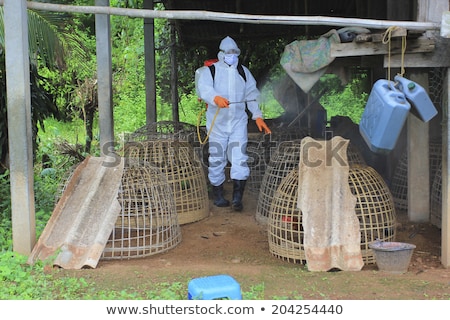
(19, 126)
(418, 161)
(445, 219)
(150, 70)
(431, 11)
(418, 146)
(104, 77)
(174, 73)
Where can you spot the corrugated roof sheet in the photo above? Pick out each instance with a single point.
(83, 218)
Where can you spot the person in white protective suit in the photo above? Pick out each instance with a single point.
(227, 89)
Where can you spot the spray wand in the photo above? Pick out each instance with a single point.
(245, 101)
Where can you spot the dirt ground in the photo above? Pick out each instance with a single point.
(235, 243)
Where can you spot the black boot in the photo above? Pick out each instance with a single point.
(219, 200)
(238, 191)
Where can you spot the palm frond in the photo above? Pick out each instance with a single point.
(44, 38)
(48, 38)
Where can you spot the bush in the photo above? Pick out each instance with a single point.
(348, 102)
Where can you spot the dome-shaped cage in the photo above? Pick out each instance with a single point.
(285, 221)
(171, 130)
(354, 155)
(435, 159)
(436, 184)
(374, 209)
(183, 170)
(436, 199)
(399, 183)
(164, 130)
(148, 221)
(286, 158)
(261, 148)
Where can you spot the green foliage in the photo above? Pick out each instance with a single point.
(5, 195)
(46, 187)
(16, 279)
(22, 281)
(57, 130)
(255, 292)
(168, 291)
(191, 108)
(52, 43)
(349, 101)
(6, 235)
(269, 106)
(129, 114)
(5, 212)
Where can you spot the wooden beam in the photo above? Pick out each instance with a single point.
(418, 60)
(373, 48)
(437, 58)
(235, 17)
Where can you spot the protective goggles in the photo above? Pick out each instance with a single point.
(232, 51)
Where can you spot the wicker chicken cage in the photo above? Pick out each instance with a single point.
(436, 199)
(286, 158)
(172, 130)
(183, 170)
(148, 221)
(261, 148)
(374, 208)
(399, 184)
(164, 130)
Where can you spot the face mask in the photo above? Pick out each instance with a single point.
(230, 59)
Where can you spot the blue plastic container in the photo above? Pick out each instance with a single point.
(214, 288)
(421, 104)
(384, 116)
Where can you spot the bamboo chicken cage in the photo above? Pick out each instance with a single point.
(148, 221)
(374, 208)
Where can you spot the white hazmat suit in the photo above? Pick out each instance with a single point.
(230, 92)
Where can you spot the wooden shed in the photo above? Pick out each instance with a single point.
(426, 60)
(205, 22)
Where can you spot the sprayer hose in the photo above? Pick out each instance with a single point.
(210, 129)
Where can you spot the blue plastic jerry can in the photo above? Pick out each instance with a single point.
(421, 104)
(383, 117)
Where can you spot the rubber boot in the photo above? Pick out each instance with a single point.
(219, 200)
(238, 191)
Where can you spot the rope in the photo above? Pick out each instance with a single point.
(210, 129)
(387, 40)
